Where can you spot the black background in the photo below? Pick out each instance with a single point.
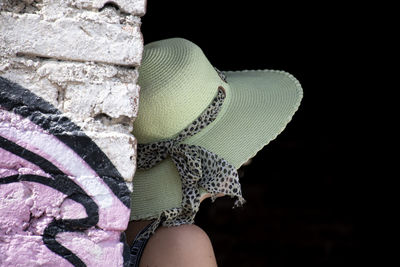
(304, 205)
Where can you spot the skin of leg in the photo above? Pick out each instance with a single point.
(179, 246)
(166, 238)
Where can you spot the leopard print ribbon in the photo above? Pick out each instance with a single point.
(197, 167)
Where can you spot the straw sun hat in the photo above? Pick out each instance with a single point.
(196, 126)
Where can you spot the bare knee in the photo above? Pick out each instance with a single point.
(185, 245)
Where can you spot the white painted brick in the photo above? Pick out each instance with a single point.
(91, 89)
(111, 98)
(120, 149)
(71, 39)
(40, 87)
(137, 7)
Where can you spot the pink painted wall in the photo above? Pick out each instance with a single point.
(62, 201)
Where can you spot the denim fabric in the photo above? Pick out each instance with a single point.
(137, 248)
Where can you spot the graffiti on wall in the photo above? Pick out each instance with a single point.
(60, 196)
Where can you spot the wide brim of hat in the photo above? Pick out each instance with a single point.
(258, 106)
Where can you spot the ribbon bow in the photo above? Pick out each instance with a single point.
(197, 167)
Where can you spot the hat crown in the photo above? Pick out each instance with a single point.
(177, 84)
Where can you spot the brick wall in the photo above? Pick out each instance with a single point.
(68, 97)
